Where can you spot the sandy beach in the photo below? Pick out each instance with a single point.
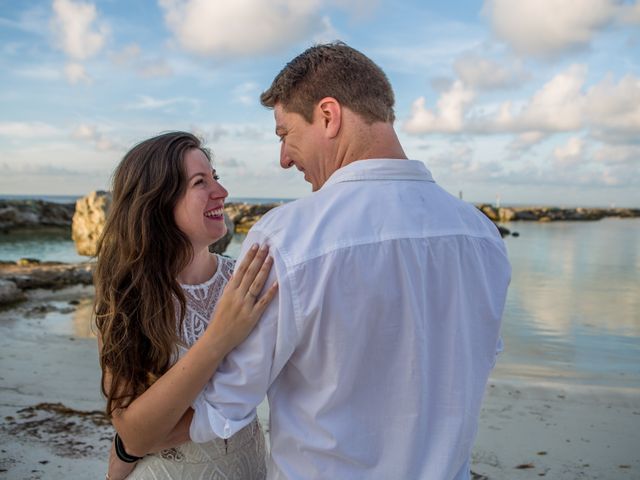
(53, 428)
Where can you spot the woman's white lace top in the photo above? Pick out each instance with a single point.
(201, 301)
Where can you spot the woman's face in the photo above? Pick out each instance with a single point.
(199, 213)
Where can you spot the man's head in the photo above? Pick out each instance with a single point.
(332, 70)
(329, 102)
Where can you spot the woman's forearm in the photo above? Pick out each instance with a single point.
(152, 416)
(155, 413)
(177, 436)
(119, 470)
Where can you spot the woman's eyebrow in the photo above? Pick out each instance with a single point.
(196, 174)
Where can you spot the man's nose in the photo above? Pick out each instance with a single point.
(285, 161)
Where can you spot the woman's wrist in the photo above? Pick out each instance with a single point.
(121, 452)
(215, 344)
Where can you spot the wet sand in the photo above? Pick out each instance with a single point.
(52, 426)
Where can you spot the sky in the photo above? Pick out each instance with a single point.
(510, 101)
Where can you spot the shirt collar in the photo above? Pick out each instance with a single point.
(381, 169)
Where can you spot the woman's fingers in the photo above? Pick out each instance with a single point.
(241, 269)
(241, 304)
(265, 299)
(252, 270)
(261, 277)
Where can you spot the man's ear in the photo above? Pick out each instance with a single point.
(331, 116)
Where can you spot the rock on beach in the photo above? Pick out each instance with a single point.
(91, 215)
(30, 214)
(16, 278)
(10, 293)
(88, 221)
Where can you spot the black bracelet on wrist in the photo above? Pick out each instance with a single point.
(122, 453)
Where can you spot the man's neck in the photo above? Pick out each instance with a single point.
(378, 140)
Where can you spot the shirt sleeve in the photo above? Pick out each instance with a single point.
(229, 401)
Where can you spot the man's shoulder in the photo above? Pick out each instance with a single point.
(277, 221)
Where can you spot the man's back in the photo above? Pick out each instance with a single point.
(396, 291)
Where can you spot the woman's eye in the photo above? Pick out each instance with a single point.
(216, 176)
(198, 182)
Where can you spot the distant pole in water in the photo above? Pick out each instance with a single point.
(460, 194)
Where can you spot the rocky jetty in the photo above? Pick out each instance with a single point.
(34, 214)
(88, 216)
(553, 214)
(245, 215)
(26, 274)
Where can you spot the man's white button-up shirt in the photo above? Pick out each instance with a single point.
(376, 352)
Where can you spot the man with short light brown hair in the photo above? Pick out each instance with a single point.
(377, 350)
(333, 70)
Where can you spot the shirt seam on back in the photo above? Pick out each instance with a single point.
(341, 246)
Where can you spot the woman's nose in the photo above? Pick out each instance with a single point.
(218, 191)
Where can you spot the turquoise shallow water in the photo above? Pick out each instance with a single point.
(573, 309)
(54, 245)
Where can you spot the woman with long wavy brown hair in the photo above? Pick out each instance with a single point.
(156, 289)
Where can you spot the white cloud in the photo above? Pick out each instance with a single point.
(327, 32)
(93, 135)
(629, 14)
(155, 68)
(131, 57)
(76, 29)
(360, 9)
(571, 153)
(254, 133)
(34, 19)
(127, 55)
(38, 72)
(247, 93)
(524, 141)
(75, 73)
(44, 170)
(609, 109)
(549, 27)
(145, 102)
(230, 162)
(241, 28)
(247, 132)
(448, 116)
(84, 132)
(27, 129)
(558, 106)
(209, 133)
(486, 74)
(615, 107)
(619, 154)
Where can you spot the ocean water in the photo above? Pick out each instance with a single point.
(52, 245)
(573, 309)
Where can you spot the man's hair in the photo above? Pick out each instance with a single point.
(332, 70)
